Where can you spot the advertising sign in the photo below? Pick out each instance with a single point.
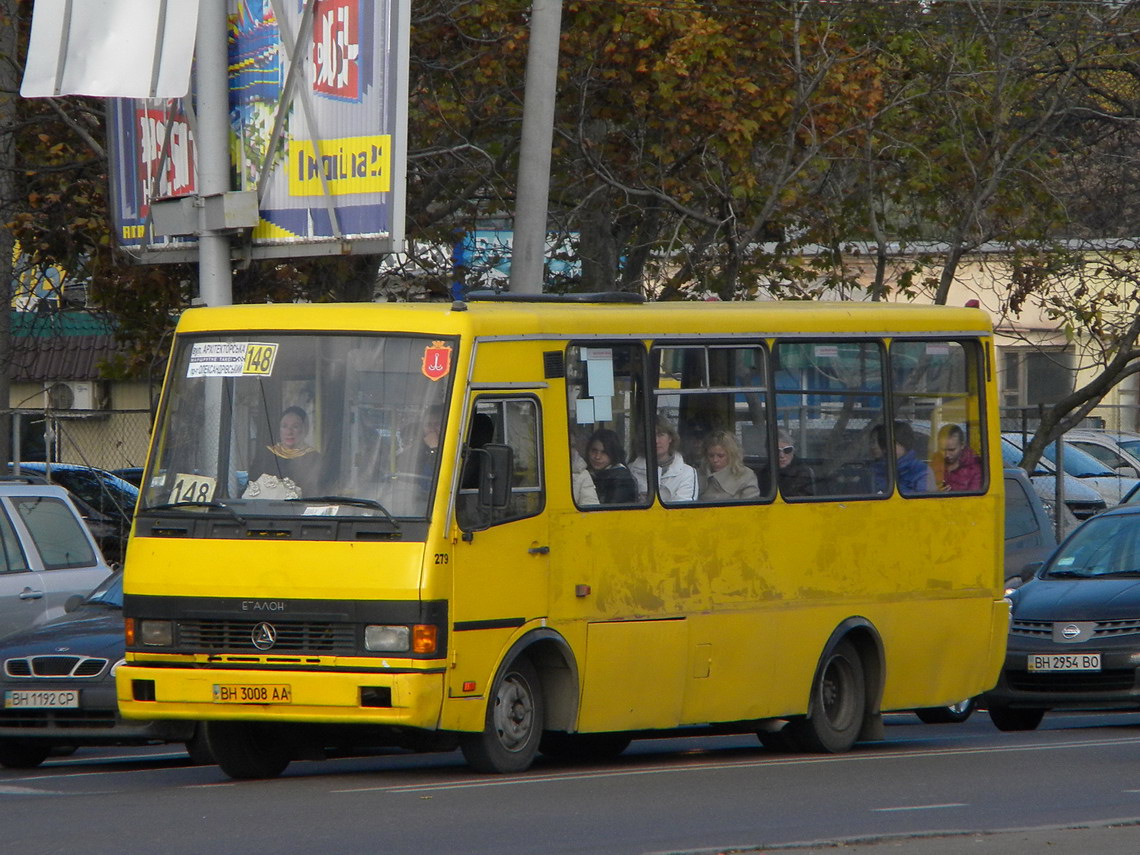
(318, 118)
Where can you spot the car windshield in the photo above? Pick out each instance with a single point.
(1103, 546)
(1078, 463)
(281, 424)
(109, 592)
(1132, 446)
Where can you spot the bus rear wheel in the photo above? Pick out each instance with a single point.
(514, 723)
(838, 700)
(247, 750)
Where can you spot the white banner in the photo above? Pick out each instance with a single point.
(111, 48)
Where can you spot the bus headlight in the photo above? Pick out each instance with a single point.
(387, 639)
(156, 633)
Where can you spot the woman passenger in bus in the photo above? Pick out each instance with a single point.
(290, 459)
(606, 460)
(676, 479)
(795, 476)
(914, 475)
(724, 477)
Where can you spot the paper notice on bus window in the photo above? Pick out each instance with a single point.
(600, 372)
(584, 411)
(603, 409)
(231, 359)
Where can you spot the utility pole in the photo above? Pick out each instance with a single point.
(215, 273)
(529, 242)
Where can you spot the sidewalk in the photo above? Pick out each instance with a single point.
(1115, 837)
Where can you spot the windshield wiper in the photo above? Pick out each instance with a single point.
(349, 500)
(214, 506)
(1068, 574)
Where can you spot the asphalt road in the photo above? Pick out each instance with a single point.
(1074, 783)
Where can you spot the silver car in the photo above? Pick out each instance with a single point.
(47, 555)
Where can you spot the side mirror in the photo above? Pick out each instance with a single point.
(495, 476)
(1030, 570)
(73, 602)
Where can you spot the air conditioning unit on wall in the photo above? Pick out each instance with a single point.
(75, 395)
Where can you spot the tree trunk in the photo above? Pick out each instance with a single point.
(9, 99)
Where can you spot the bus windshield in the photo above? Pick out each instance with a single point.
(301, 424)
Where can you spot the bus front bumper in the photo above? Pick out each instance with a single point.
(404, 699)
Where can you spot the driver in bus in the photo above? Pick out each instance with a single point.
(290, 468)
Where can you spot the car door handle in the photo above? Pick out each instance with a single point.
(29, 594)
(539, 550)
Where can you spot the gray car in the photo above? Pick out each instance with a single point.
(47, 554)
(58, 686)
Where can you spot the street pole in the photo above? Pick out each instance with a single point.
(529, 240)
(215, 283)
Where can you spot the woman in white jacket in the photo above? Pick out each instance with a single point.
(676, 479)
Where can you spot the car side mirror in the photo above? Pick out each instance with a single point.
(495, 476)
(73, 602)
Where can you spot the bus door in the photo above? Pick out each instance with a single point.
(500, 562)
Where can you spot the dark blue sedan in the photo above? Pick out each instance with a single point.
(58, 687)
(1074, 641)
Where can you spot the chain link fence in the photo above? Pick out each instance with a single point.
(105, 439)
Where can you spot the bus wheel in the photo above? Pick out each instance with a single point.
(513, 728)
(1010, 719)
(838, 700)
(16, 754)
(198, 748)
(583, 747)
(246, 749)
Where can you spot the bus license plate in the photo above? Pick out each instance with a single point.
(277, 693)
(41, 699)
(1064, 661)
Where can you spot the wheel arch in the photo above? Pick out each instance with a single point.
(861, 632)
(557, 670)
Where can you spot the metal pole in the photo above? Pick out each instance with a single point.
(215, 283)
(529, 241)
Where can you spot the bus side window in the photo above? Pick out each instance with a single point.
(715, 397)
(605, 388)
(513, 422)
(936, 389)
(829, 403)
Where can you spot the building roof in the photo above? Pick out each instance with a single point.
(63, 345)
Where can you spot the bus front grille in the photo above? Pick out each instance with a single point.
(298, 636)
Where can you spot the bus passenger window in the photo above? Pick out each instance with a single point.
(712, 412)
(829, 400)
(605, 388)
(936, 387)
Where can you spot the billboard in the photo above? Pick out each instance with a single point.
(318, 127)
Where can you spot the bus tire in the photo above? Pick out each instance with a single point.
(198, 748)
(247, 750)
(1010, 720)
(23, 754)
(583, 747)
(838, 701)
(513, 726)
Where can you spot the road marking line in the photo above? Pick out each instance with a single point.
(853, 757)
(919, 807)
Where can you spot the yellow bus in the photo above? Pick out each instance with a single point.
(523, 525)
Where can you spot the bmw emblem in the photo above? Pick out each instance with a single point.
(264, 636)
(1070, 631)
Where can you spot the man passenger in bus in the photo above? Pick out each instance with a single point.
(676, 479)
(724, 477)
(914, 475)
(796, 477)
(291, 459)
(960, 468)
(606, 461)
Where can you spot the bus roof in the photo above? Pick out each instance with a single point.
(558, 320)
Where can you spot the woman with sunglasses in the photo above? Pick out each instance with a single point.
(796, 478)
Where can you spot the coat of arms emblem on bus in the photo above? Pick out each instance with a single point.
(437, 360)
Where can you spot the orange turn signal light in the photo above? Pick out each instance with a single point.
(129, 631)
(423, 638)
